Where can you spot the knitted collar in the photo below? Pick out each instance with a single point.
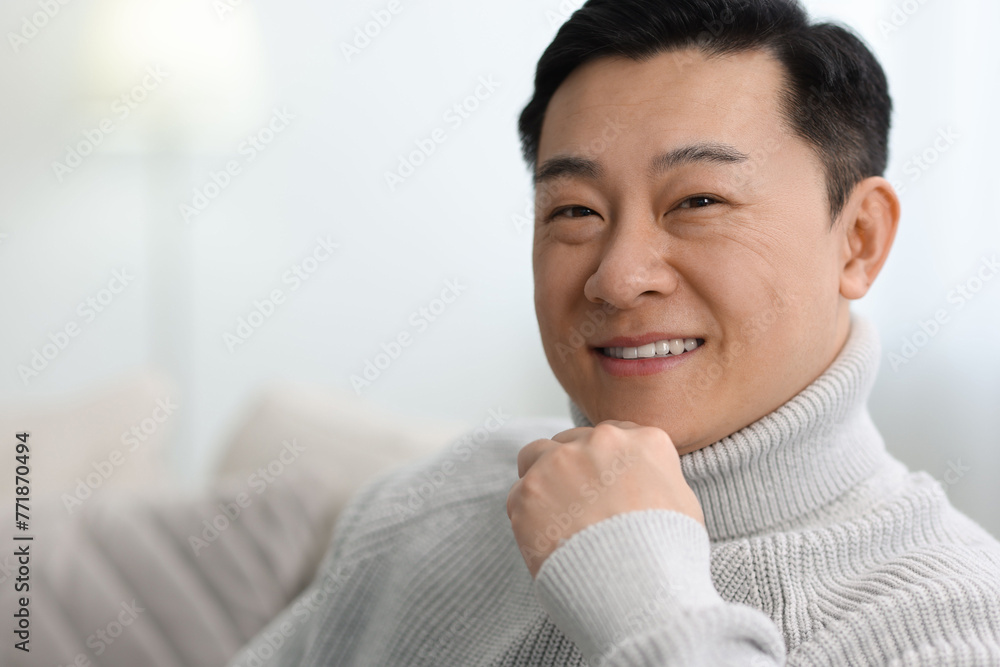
(790, 463)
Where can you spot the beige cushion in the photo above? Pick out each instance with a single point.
(345, 440)
(73, 438)
(181, 581)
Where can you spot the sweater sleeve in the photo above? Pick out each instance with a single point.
(297, 633)
(635, 590)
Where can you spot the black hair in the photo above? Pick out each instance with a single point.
(836, 96)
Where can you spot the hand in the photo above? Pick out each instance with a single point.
(587, 474)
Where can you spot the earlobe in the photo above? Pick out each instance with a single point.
(869, 228)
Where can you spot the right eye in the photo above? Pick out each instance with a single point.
(708, 201)
(583, 210)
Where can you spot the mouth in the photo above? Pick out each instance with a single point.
(668, 347)
(649, 358)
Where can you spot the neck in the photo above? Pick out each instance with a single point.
(795, 461)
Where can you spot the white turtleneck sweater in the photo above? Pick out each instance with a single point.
(819, 548)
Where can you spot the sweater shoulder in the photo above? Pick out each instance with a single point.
(955, 536)
(899, 512)
(916, 580)
(925, 521)
(872, 576)
(472, 470)
(914, 528)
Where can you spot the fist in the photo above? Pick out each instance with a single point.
(583, 475)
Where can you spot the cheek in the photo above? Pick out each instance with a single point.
(559, 273)
(547, 290)
(553, 293)
(736, 273)
(747, 288)
(560, 276)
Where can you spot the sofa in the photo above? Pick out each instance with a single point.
(126, 568)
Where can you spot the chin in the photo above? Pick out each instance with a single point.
(644, 417)
(687, 430)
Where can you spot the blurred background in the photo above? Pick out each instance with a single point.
(203, 198)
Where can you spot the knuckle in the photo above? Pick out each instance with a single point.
(607, 441)
(564, 454)
(531, 485)
(515, 503)
(605, 432)
(528, 449)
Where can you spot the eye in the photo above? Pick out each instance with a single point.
(698, 201)
(582, 210)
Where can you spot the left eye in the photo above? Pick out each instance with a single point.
(699, 201)
(583, 212)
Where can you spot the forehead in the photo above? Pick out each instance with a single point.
(676, 97)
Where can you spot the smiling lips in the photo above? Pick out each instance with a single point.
(661, 348)
(647, 355)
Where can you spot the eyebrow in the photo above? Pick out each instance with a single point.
(581, 167)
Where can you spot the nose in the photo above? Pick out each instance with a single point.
(634, 268)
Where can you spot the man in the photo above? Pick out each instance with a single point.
(709, 199)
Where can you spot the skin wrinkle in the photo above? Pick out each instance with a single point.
(760, 273)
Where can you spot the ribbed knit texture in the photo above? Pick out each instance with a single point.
(820, 549)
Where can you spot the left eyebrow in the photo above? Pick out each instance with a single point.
(705, 151)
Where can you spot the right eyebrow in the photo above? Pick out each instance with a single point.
(569, 166)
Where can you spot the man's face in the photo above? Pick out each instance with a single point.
(727, 240)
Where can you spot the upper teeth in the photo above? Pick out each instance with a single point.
(660, 348)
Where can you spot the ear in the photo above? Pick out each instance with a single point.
(868, 224)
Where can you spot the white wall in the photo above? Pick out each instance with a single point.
(452, 219)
